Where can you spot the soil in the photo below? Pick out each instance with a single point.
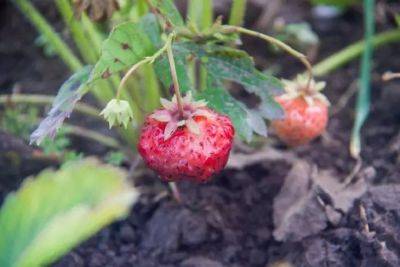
(275, 209)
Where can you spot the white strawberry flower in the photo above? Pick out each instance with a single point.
(117, 112)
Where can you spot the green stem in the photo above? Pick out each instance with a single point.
(364, 93)
(83, 43)
(141, 8)
(200, 12)
(48, 32)
(46, 100)
(238, 11)
(92, 33)
(353, 51)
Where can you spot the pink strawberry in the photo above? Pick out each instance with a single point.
(192, 147)
(306, 112)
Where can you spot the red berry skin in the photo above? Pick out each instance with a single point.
(302, 122)
(186, 155)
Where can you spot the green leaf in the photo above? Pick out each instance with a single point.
(223, 102)
(151, 27)
(69, 94)
(127, 44)
(181, 55)
(52, 213)
(236, 65)
(256, 123)
(224, 63)
(169, 11)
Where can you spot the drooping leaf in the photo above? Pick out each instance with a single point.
(168, 10)
(256, 122)
(69, 94)
(127, 44)
(52, 213)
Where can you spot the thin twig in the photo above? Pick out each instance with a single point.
(349, 178)
(364, 219)
(387, 76)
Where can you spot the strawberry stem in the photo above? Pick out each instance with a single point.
(175, 191)
(280, 44)
(175, 80)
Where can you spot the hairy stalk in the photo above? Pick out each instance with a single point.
(238, 11)
(44, 28)
(175, 79)
(46, 100)
(353, 51)
(280, 44)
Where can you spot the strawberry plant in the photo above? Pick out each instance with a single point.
(158, 55)
(153, 53)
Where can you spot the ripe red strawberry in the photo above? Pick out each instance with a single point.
(306, 112)
(193, 147)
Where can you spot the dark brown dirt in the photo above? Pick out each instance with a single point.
(230, 221)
